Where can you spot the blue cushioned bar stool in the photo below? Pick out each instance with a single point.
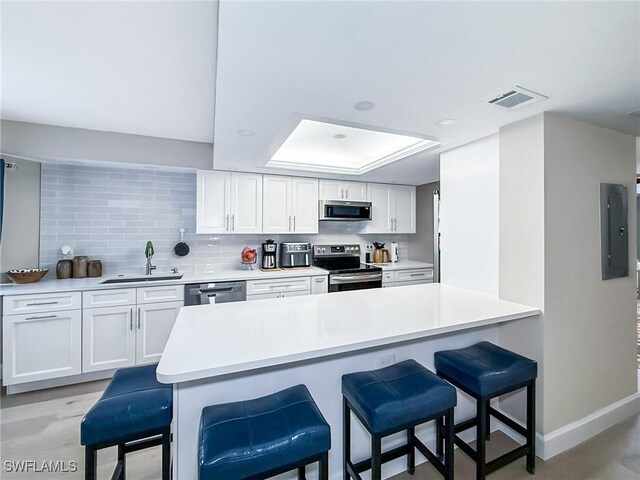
(394, 399)
(263, 437)
(485, 371)
(134, 412)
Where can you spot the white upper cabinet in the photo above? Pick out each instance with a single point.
(340, 190)
(229, 202)
(393, 208)
(290, 204)
(213, 202)
(404, 220)
(246, 203)
(304, 205)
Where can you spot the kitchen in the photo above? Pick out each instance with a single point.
(157, 232)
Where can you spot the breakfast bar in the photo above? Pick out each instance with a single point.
(238, 351)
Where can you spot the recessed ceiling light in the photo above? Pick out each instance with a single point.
(447, 122)
(364, 106)
(245, 133)
(311, 147)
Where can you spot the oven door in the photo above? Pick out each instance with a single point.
(343, 282)
(345, 211)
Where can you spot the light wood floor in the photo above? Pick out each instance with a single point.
(45, 425)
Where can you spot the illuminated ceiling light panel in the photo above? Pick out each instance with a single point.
(332, 148)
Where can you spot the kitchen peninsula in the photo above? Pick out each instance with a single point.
(237, 351)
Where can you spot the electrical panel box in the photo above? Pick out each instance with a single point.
(614, 235)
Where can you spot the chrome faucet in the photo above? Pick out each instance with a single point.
(148, 252)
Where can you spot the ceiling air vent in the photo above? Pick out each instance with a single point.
(516, 98)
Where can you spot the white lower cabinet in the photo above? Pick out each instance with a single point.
(155, 321)
(402, 278)
(108, 338)
(278, 288)
(134, 334)
(319, 284)
(41, 346)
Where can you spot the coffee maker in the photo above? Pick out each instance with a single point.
(269, 249)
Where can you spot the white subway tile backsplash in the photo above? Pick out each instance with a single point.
(110, 213)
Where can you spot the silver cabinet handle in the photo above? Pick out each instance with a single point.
(395, 224)
(391, 224)
(131, 319)
(41, 303)
(289, 222)
(226, 223)
(233, 222)
(294, 223)
(288, 285)
(319, 279)
(41, 318)
(417, 274)
(138, 318)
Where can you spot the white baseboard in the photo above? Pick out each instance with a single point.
(58, 382)
(573, 434)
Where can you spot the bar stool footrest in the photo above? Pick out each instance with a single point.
(508, 422)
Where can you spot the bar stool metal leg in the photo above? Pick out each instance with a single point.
(449, 435)
(89, 463)
(481, 426)
(411, 455)
(324, 466)
(531, 427)
(346, 438)
(121, 468)
(166, 454)
(439, 437)
(302, 473)
(376, 457)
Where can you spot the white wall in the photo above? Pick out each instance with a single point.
(550, 171)
(469, 183)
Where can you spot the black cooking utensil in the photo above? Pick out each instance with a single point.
(181, 249)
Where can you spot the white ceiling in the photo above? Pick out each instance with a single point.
(145, 68)
(149, 68)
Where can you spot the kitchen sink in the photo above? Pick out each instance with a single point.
(145, 278)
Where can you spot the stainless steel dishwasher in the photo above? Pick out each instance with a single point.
(218, 292)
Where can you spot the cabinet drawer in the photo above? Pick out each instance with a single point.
(413, 282)
(255, 287)
(388, 277)
(45, 302)
(109, 298)
(411, 275)
(166, 293)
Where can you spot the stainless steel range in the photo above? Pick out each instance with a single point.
(345, 270)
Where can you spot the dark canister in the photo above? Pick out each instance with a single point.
(95, 268)
(64, 268)
(80, 265)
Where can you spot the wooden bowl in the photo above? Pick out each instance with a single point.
(26, 275)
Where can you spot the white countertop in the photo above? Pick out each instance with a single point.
(212, 340)
(402, 265)
(51, 285)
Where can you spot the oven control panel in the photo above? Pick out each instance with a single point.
(336, 250)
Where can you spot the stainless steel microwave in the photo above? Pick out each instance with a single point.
(344, 210)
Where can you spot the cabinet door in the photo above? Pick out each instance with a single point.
(381, 202)
(39, 346)
(355, 191)
(213, 207)
(155, 321)
(304, 205)
(319, 284)
(108, 338)
(405, 209)
(330, 190)
(246, 203)
(276, 206)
